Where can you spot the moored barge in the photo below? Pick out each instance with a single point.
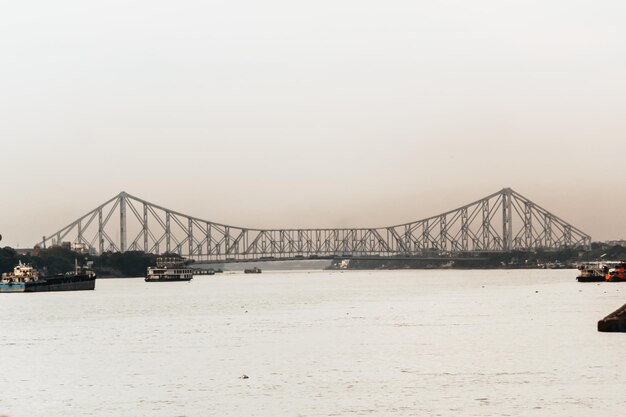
(25, 278)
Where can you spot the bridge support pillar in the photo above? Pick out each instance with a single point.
(122, 223)
(507, 218)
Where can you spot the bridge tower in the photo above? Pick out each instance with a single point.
(122, 199)
(507, 219)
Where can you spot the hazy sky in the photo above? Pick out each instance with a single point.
(311, 114)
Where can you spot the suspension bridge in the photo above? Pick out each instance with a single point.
(500, 222)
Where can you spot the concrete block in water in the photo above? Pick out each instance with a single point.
(614, 322)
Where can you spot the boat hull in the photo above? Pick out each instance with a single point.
(166, 279)
(52, 283)
(590, 279)
(12, 287)
(614, 322)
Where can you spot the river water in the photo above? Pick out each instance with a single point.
(319, 343)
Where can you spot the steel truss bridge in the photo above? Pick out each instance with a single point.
(503, 221)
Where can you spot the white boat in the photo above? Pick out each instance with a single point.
(168, 270)
(594, 271)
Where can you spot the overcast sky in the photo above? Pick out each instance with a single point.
(311, 114)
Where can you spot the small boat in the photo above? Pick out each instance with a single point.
(617, 273)
(25, 278)
(168, 270)
(253, 270)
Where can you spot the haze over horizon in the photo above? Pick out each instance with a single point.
(329, 114)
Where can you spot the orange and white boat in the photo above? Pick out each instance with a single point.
(617, 273)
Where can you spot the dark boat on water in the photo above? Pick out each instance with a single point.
(169, 270)
(253, 270)
(25, 278)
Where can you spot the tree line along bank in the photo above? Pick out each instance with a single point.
(58, 259)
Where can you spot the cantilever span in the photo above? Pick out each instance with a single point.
(502, 221)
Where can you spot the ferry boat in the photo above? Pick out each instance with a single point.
(253, 270)
(25, 278)
(168, 270)
(617, 273)
(593, 271)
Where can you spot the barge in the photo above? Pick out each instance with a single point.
(25, 278)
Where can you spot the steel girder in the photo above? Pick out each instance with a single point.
(500, 222)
